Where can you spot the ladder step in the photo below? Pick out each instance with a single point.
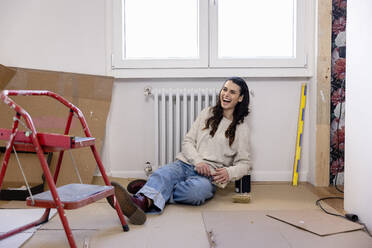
(72, 196)
(77, 142)
(50, 142)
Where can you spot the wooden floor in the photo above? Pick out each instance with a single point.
(104, 230)
(321, 192)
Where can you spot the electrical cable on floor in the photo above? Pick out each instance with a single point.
(365, 228)
(327, 198)
(351, 217)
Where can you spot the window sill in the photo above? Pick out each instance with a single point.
(212, 72)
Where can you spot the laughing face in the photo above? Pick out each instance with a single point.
(230, 96)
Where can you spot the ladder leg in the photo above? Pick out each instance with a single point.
(58, 166)
(103, 173)
(53, 191)
(60, 157)
(45, 216)
(120, 215)
(107, 182)
(9, 148)
(100, 165)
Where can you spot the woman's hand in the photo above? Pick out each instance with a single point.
(221, 175)
(203, 169)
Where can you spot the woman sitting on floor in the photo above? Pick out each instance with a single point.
(214, 152)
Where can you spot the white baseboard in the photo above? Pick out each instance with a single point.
(129, 174)
(256, 175)
(285, 176)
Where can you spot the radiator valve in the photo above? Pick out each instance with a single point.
(147, 91)
(148, 168)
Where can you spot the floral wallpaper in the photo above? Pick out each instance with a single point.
(338, 88)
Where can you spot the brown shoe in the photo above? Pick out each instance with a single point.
(134, 186)
(141, 201)
(128, 205)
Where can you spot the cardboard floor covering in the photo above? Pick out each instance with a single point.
(182, 226)
(315, 221)
(255, 229)
(97, 226)
(14, 218)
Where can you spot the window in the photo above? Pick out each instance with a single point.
(160, 33)
(208, 34)
(172, 34)
(240, 36)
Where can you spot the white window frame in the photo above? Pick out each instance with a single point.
(208, 65)
(299, 59)
(118, 61)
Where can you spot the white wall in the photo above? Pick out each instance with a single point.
(273, 122)
(56, 35)
(358, 160)
(74, 36)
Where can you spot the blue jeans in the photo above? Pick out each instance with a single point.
(177, 182)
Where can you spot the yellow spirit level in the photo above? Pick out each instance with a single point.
(299, 134)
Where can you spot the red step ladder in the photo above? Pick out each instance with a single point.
(71, 196)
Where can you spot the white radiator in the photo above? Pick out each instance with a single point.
(174, 112)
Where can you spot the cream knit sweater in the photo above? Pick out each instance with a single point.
(199, 146)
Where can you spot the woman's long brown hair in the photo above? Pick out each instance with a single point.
(240, 112)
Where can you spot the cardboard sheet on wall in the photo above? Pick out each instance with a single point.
(6, 74)
(90, 93)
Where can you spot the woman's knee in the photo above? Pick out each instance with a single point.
(194, 192)
(167, 170)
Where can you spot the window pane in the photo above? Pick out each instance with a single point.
(256, 28)
(161, 29)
